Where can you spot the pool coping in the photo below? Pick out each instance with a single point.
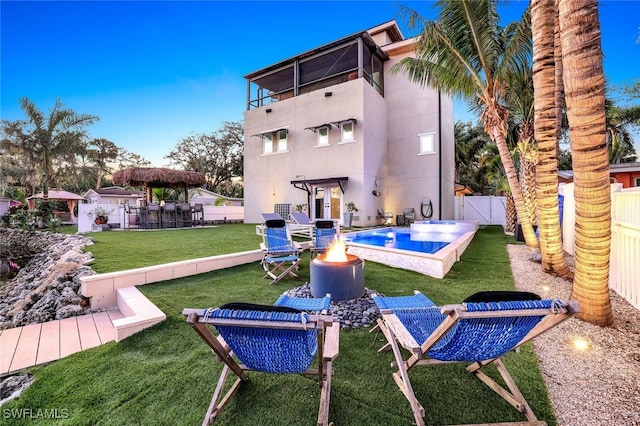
(435, 265)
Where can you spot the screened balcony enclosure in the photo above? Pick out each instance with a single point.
(345, 60)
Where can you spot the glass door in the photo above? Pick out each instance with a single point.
(327, 202)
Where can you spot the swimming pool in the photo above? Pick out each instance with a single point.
(428, 247)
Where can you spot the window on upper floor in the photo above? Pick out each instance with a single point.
(274, 142)
(427, 145)
(636, 181)
(322, 136)
(347, 131)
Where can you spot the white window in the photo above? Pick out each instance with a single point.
(323, 136)
(274, 142)
(282, 140)
(427, 143)
(347, 131)
(267, 142)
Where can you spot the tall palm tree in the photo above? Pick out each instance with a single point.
(584, 91)
(52, 136)
(465, 52)
(543, 19)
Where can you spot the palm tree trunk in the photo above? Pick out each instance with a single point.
(584, 87)
(542, 25)
(559, 85)
(495, 120)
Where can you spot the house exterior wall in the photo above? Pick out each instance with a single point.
(411, 176)
(627, 179)
(385, 151)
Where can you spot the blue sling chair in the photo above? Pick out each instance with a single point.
(482, 329)
(280, 254)
(325, 234)
(280, 339)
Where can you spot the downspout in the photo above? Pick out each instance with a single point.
(439, 156)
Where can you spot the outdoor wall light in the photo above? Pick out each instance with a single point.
(375, 192)
(268, 110)
(327, 94)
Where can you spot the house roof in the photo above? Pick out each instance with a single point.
(58, 194)
(624, 167)
(113, 191)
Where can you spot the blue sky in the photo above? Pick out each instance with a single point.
(156, 72)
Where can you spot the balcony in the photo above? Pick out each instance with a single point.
(345, 60)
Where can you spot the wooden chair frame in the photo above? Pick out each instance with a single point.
(397, 336)
(328, 348)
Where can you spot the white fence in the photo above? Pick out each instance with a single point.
(212, 214)
(487, 210)
(624, 266)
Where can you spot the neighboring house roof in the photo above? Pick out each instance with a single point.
(58, 194)
(113, 191)
(624, 167)
(200, 192)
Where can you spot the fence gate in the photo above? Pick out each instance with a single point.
(487, 210)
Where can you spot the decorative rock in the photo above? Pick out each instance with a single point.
(355, 313)
(48, 286)
(12, 386)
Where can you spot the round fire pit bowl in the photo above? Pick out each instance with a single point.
(343, 280)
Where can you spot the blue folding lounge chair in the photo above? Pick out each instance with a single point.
(478, 331)
(271, 339)
(325, 234)
(281, 255)
(312, 305)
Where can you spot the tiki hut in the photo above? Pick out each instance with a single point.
(154, 177)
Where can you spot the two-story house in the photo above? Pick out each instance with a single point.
(334, 125)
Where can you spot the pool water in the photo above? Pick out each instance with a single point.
(401, 239)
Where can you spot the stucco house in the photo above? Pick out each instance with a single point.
(333, 125)
(628, 174)
(210, 198)
(113, 195)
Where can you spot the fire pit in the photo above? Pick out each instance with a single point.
(337, 273)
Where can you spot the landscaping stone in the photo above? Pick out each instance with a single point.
(354, 313)
(48, 286)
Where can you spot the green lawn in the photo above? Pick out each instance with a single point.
(166, 375)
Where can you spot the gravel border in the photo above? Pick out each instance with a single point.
(599, 386)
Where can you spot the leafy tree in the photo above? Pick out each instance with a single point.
(101, 151)
(470, 141)
(218, 155)
(466, 52)
(127, 159)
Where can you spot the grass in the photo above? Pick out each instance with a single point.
(166, 375)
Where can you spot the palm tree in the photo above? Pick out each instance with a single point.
(619, 139)
(49, 137)
(584, 91)
(465, 52)
(543, 14)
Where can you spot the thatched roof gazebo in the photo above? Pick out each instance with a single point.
(156, 177)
